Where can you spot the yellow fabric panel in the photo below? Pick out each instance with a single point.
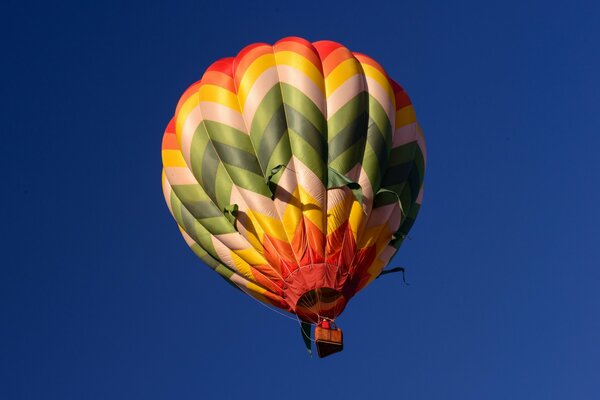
(183, 113)
(173, 158)
(251, 256)
(340, 74)
(302, 64)
(217, 94)
(374, 73)
(357, 219)
(291, 216)
(338, 214)
(268, 224)
(252, 73)
(312, 209)
(242, 266)
(405, 115)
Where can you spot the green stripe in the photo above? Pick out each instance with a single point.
(229, 135)
(348, 112)
(196, 201)
(302, 104)
(236, 157)
(210, 164)
(272, 135)
(353, 134)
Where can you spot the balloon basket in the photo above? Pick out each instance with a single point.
(328, 341)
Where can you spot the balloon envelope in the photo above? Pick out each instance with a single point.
(295, 171)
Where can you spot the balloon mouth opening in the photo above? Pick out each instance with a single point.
(320, 303)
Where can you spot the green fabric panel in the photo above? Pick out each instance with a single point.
(196, 201)
(302, 104)
(353, 132)
(217, 225)
(379, 117)
(307, 154)
(233, 156)
(404, 153)
(272, 135)
(282, 153)
(269, 105)
(379, 142)
(371, 164)
(231, 213)
(337, 180)
(242, 178)
(307, 142)
(343, 163)
(210, 164)
(347, 113)
(229, 136)
(385, 197)
(191, 226)
(222, 184)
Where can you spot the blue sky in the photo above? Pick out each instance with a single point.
(100, 297)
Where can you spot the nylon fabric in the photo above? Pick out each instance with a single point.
(295, 168)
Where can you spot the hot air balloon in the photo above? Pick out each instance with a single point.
(295, 171)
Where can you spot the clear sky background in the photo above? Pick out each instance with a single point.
(100, 298)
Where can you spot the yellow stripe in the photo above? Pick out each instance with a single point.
(251, 256)
(220, 95)
(173, 158)
(405, 115)
(337, 215)
(303, 65)
(242, 266)
(255, 288)
(184, 111)
(344, 71)
(356, 219)
(374, 73)
(312, 209)
(267, 224)
(253, 72)
(291, 216)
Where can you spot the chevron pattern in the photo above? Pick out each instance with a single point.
(252, 164)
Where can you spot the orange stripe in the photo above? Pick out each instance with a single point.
(190, 91)
(363, 59)
(335, 58)
(218, 79)
(170, 141)
(224, 65)
(402, 99)
(304, 49)
(246, 57)
(325, 47)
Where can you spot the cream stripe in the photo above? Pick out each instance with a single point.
(222, 114)
(309, 181)
(344, 93)
(420, 196)
(300, 63)
(405, 134)
(234, 241)
(381, 95)
(167, 192)
(180, 176)
(188, 239)
(300, 81)
(192, 121)
(224, 254)
(257, 92)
